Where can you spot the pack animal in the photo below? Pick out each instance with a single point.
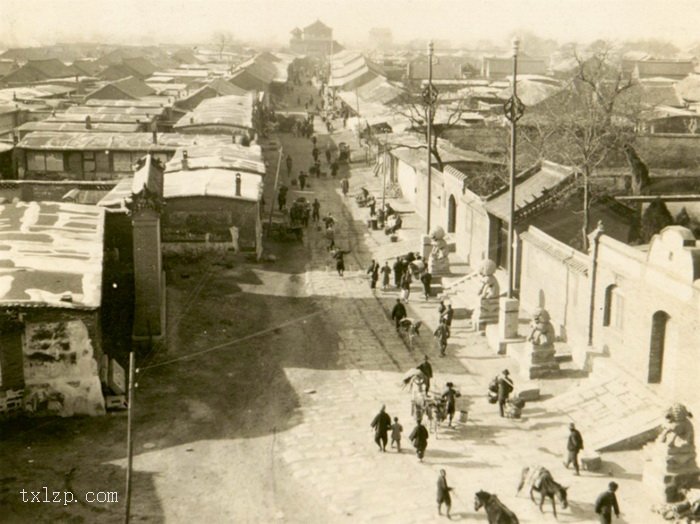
(496, 511)
(539, 479)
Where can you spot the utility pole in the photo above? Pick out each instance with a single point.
(129, 440)
(274, 190)
(429, 95)
(514, 110)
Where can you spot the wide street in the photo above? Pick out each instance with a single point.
(260, 408)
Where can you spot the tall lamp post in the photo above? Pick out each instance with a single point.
(514, 110)
(429, 98)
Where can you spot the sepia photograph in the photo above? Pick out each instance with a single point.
(333, 261)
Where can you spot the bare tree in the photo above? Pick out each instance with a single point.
(588, 122)
(442, 115)
(221, 40)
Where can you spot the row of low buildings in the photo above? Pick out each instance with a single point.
(92, 195)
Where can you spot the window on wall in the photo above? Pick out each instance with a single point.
(614, 312)
(36, 162)
(54, 161)
(122, 162)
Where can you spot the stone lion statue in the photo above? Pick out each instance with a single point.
(541, 329)
(490, 287)
(677, 431)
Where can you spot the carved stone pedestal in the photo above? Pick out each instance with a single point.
(669, 462)
(486, 313)
(538, 361)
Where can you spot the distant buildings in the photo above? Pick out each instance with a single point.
(314, 39)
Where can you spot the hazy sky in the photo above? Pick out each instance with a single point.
(24, 22)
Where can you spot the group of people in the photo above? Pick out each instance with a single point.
(382, 424)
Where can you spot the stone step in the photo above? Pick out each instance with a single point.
(613, 412)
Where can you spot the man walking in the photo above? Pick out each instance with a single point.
(373, 272)
(302, 180)
(282, 197)
(505, 387)
(406, 285)
(289, 166)
(442, 334)
(398, 313)
(447, 318)
(381, 425)
(427, 371)
(450, 397)
(606, 503)
(419, 437)
(426, 278)
(386, 274)
(574, 445)
(398, 272)
(443, 494)
(316, 210)
(344, 186)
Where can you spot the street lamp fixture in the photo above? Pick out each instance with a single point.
(514, 110)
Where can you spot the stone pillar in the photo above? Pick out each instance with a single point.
(149, 280)
(670, 462)
(508, 318)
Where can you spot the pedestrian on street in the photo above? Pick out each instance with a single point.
(282, 197)
(381, 425)
(427, 371)
(314, 153)
(426, 278)
(443, 494)
(289, 166)
(330, 236)
(328, 220)
(302, 180)
(328, 154)
(372, 204)
(313, 141)
(505, 388)
(344, 186)
(447, 318)
(606, 503)
(441, 334)
(339, 256)
(398, 313)
(396, 430)
(386, 275)
(573, 445)
(419, 438)
(398, 266)
(450, 396)
(373, 272)
(316, 210)
(334, 168)
(406, 286)
(441, 310)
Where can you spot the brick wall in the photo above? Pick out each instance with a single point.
(191, 218)
(62, 350)
(554, 276)
(647, 290)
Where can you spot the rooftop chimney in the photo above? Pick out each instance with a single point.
(185, 165)
(238, 184)
(88, 122)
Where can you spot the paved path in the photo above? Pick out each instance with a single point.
(331, 451)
